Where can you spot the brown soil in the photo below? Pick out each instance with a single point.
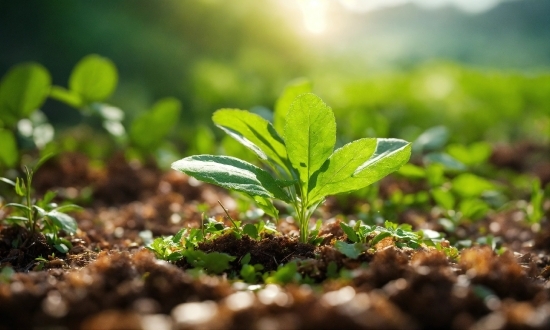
(109, 281)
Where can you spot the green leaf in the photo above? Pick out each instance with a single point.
(66, 96)
(350, 232)
(470, 185)
(8, 181)
(63, 221)
(149, 130)
(231, 173)
(267, 206)
(432, 139)
(215, 262)
(61, 248)
(336, 174)
(68, 208)
(443, 198)
(310, 135)
(352, 250)
(22, 90)
(290, 93)
(389, 156)
(8, 152)
(251, 230)
(18, 206)
(444, 159)
(246, 259)
(254, 132)
(476, 153)
(94, 78)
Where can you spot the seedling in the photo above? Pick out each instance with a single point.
(303, 166)
(42, 215)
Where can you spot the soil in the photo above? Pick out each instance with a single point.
(108, 280)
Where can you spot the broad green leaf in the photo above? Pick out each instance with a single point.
(336, 174)
(310, 135)
(22, 90)
(290, 93)
(149, 129)
(66, 96)
(231, 173)
(389, 156)
(63, 221)
(94, 78)
(8, 152)
(352, 250)
(254, 132)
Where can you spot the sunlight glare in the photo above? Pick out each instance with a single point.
(315, 15)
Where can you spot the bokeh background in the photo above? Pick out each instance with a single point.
(388, 68)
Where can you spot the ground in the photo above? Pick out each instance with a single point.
(108, 279)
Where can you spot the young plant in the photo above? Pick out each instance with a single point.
(42, 215)
(303, 166)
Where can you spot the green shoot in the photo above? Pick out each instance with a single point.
(303, 167)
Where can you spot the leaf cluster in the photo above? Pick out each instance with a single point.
(42, 215)
(303, 167)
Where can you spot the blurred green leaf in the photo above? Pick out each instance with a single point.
(432, 139)
(443, 198)
(148, 130)
(94, 78)
(444, 159)
(476, 153)
(22, 90)
(352, 250)
(63, 221)
(470, 185)
(9, 154)
(66, 96)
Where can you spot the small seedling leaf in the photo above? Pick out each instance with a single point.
(251, 230)
(246, 259)
(63, 221)
(352, 250)
(350, 232)
(231, 173)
